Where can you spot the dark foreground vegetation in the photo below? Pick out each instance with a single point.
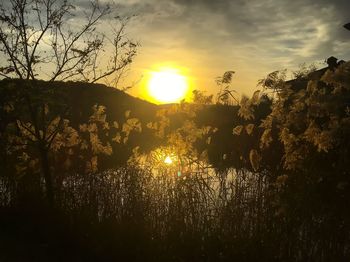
(83, 178)
(88, 173)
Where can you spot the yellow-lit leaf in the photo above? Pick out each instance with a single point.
(237, 130)
(249, 128)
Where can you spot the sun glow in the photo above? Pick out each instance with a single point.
(168, 160)
(167, 86)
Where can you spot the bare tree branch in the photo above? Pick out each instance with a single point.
(38, 32)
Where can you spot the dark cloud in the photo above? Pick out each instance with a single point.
(253, 20)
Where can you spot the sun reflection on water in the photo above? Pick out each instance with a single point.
(168, 160)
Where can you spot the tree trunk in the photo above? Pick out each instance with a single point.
(47, 176)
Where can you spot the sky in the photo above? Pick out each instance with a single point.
(205, 38)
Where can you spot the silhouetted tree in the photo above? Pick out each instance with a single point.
(40, 39)
(51, 40)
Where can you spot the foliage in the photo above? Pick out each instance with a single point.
(312, 119)
(265, 180)
(309, 121)
(226, 93)
(177, 127)
(274, 81)
(38, 133)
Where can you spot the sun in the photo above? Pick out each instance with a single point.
(167, 86)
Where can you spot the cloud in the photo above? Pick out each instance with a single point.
(252, 37)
